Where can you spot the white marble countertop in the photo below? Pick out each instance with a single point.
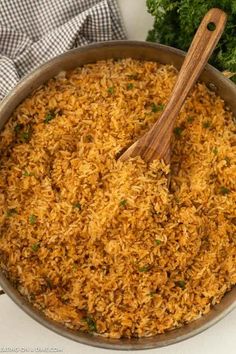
(19, 333)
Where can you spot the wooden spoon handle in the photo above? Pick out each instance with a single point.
(203, 44)
(156, 143)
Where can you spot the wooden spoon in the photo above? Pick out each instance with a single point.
(156, 143)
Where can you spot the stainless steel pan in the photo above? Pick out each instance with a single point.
(89, 54)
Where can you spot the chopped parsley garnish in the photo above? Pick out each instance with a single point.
(23, 132)
(75, 267)
(190, 119)
(77, 206)
(123, 203)
(206, 124)
(158, 242)
(152, 293)
(181, 284)
(157, 107)
(26, 173)
(224, 190)
(111, 90)
(35, 246)
(25, 136)
(49, 116)
(130, 86)
(178, 131)
(144, 269)
(32, 219)
(11, 212)
(18, 127)
(91, 323)
(215, 151)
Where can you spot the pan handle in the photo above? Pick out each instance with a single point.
(2, 292)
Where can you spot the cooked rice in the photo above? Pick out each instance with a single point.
(100, 245)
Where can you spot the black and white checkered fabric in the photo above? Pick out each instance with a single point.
(34, 31)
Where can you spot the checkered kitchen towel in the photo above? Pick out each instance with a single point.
(34, 31)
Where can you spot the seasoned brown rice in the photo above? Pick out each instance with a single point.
(103, 246)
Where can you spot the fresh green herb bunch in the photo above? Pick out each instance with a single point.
(176, 23)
